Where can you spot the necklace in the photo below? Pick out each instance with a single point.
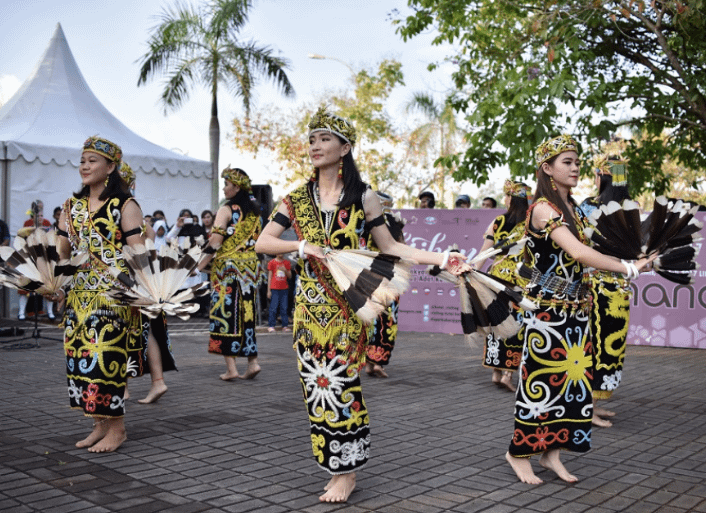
(325, 216)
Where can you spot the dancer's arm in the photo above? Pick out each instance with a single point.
(387, 244)
(581, 252)
(216, 239)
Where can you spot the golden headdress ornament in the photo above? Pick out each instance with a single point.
(127, 174)
(322, 121)
(104, 147)
(516, 189)
(554, 147)
(237, 176)
(619, 170)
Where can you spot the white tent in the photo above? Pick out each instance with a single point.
(42, 129)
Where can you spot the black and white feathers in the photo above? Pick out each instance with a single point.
(670, 230)
(487, 301)
(155, 277)
(34, 264)
(370, 281)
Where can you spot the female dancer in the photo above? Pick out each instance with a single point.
(553, 405)
(610, 310)
(503, 355)
(102, 338)
(384, 333)
(332, 210)
(235, 275)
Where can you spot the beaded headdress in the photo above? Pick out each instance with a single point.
(104, 147)
(127, 174)
(619, 170)
(237, 176)
(322, 121)
(516, 189)
(554, 147)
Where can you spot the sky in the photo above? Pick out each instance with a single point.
(108, 37)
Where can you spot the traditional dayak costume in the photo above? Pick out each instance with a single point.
(384, 332)
(330, 340)
(504, 354)
(610, 311)
(553, 406)
(235, 276)
(103, 340)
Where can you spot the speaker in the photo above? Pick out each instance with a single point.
(263, 194)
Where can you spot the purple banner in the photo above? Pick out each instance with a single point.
(662, 313)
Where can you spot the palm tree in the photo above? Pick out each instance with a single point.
(441, 128)
(201, 45)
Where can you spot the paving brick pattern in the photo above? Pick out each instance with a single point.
(439, 433)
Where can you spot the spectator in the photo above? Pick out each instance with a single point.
(160, 233)
(158, 214)
(4, 234)
(279, 270)
(56, 215)
(207, 221)
(489, 203)
(426, 200)
(463, 201)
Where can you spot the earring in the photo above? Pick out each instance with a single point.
(107, 179)
(551, 180)
(340, 168)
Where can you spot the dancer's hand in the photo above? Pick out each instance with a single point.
(645, 264)
(315, 251)
(457, 264)
(57, 297)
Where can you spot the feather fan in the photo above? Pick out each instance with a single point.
(487, 301)
(370, 281)
(155, 277)
(670, 230)
(34, 264)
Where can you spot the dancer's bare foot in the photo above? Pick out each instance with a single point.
(126, 395)
(550, 460)
(114, 437)
(330, 483)
(597, 421)
(602, 412)
(99, 430)
(252, 371)
(523, 469)
(506, 381)
(158, 389)
(379, 371)
(228, 376)
(369, 369)
(340, 488)
(497, 375)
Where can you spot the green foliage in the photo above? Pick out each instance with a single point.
(528, 70)
(382, 152)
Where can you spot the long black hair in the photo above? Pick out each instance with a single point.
(545, 190)
(116, 186)
(608, 192)
(517, 211)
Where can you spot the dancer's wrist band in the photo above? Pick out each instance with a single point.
(445, 261)
(301, 249)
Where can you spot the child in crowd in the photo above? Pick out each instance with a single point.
(279, 270)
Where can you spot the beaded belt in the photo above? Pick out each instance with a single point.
(550, 282)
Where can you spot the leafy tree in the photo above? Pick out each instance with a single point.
(438, 136)
(385, 158)
(528, 70)
(201, 45)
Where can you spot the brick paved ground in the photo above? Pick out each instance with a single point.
(439, 429)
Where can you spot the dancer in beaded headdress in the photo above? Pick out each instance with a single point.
(503, 355)
(102, 339)
(553, 405)
(334, 209)
(610, 309)
(235, 276)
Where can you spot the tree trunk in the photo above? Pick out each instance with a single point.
(214, 142)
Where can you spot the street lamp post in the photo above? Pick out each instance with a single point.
(322, 57)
